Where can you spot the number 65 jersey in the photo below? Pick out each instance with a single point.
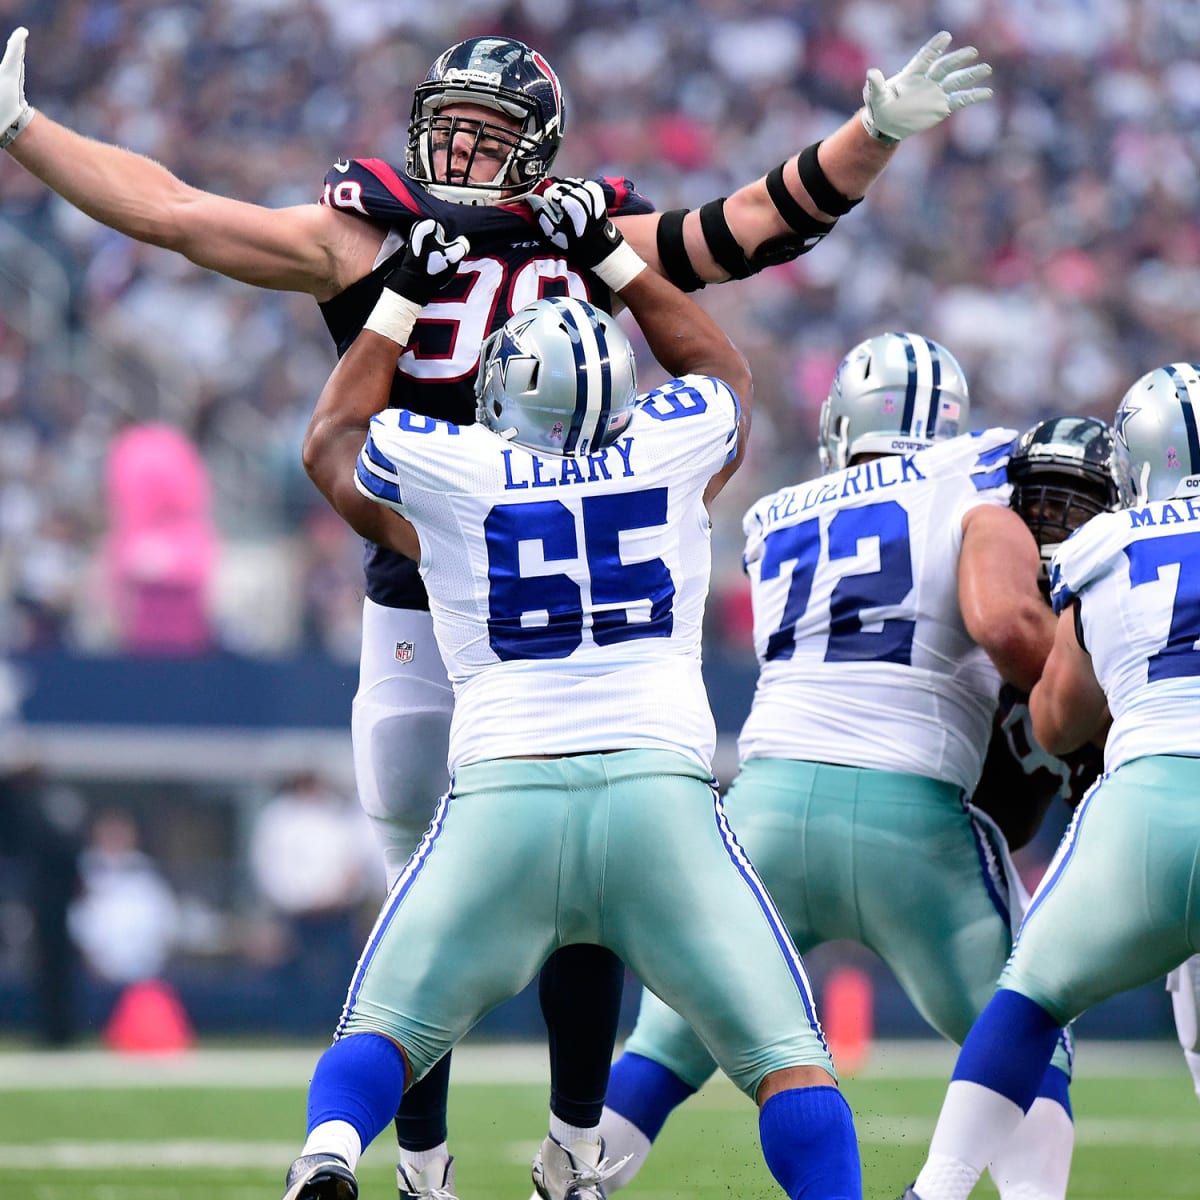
(864, 657)
(567, 594)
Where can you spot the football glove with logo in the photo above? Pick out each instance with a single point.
(573, 217)
(426, 266)
(932, 85)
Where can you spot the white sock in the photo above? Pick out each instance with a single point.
(622, 1137)
(420, 1159)
(1193, 1061)
(568, 1135)
(335, 1137)
(973, 1124)
(1035, 1163)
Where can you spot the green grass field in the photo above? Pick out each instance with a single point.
(226, 1123)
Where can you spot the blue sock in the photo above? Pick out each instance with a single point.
(359, 1080)
(1009, 1047)
(808, 1140)
(1055, 1086)
(644, 1092)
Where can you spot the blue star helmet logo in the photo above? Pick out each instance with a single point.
(510, 355)
(1123, 415)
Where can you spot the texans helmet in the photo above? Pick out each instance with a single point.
(892, 393)
(1157, 423)
(1063, 472)
(501, 74)
(558, 377)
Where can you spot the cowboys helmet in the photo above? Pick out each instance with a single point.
(1063, 472)
(892, 393)
(557, 377)
(1157, 422)
(497, 73)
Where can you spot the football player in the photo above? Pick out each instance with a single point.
(485, 126)
(564, 543)
(890, 597)
(1120, 902)
(1063, 471)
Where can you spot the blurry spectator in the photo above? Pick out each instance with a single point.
(161, 548)
(314, 861)
(39, 829)
(1056, 248)
(126, 920)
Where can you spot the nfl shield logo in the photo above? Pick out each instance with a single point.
(405, 652)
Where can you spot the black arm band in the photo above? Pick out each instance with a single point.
(1077, 611)
(672, 253)
(722, 245)
(826, 197)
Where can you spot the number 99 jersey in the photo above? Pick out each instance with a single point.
(864, 657)
(567, 593)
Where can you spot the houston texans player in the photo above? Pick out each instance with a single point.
(1064, 471)
(890, 597)
(1120, 902)
(564, 541)
(485, 126)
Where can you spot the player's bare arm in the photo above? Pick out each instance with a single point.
(1068, 705)
(787, 211)
(998, 594)
(306, 248)
(361, 384)
(680, 334)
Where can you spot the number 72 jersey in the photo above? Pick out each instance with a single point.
(864, 657)
(567, 594)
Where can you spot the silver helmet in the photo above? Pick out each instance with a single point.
(557, 377)
(1157, 422)
(1064, 471)
(892, 393)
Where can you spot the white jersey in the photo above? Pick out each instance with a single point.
(1136, 574)
(864, 658)
(567, 593)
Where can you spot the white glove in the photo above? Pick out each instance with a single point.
(15, 113)
(932, 85)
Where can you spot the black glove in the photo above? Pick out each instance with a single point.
(573, 216)
(428, 262)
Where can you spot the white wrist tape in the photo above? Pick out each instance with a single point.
(10, 135)
(394, 316)
(621, 267)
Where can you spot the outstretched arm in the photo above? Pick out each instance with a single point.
(787, 211)
(307, 248)
(361, 384)
(680, 334)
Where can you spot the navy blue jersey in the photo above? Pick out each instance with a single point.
(1020, 779)
(508, 267)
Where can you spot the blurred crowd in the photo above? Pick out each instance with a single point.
(1050, 239)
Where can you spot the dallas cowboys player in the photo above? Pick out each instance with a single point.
(887, 595)
(485, 127)
(1120, 902)
(564, 542)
